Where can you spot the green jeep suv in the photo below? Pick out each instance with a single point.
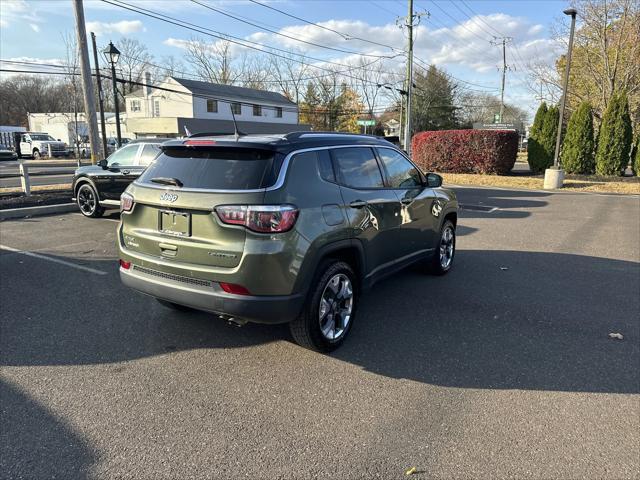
(281, 229)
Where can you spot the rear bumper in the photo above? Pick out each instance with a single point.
(258, 309)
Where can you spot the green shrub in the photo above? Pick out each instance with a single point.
(535, 152)
(614, 139)
(578, 145)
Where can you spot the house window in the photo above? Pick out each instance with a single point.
(212, 106)
(236, 108)
(156, 108)
(257, 110)
(278, 112)
(135, 105)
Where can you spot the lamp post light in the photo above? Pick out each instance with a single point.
(112, 54)
(554, 176)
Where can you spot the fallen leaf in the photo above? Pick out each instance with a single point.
(616, 336)
(504, 268)
(410, 471)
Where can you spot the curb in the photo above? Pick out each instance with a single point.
(36, 211)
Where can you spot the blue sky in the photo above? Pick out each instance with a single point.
(455, 36)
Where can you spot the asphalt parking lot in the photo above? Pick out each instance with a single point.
(503, 368)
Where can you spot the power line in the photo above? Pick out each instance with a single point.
(473, 20)
(236, 40)
(248, 22)
(479, 17)
(345, 36)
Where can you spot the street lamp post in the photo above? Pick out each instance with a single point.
(112, 54)
(554, 177)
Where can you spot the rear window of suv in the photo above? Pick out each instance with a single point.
(216, 168)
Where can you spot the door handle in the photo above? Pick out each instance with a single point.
(358, 204)
(126, 172)
(406, 201)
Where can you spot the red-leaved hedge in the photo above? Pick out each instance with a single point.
(465, 151)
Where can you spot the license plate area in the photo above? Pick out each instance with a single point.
(174, 223)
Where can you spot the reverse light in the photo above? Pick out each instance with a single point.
(199, 143)
(126, 202)
(259, 218)
(125, 265)
(233, 288)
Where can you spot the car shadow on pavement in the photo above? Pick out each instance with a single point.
(506, 320)
(36, 444)
(499, 320)
(509, 204)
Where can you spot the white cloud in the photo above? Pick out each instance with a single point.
(34, 27)
(122, 27)
(15, 12)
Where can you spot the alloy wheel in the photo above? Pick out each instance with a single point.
(336, 307)
(447, 247)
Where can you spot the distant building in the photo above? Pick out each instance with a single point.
(392, 128)
(70, 129)
(165, 109)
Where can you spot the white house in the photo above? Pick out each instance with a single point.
(166, 108)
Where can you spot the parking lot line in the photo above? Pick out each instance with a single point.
(54, 260)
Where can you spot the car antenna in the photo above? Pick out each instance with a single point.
(236, 132)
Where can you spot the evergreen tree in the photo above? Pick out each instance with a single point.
(635, 157)
(614, 141)
(549, 134)
(535, 152)
(578, 145)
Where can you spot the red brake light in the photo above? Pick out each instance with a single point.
(125, 265)
(233, 288)
(259, 218)
(199, 143)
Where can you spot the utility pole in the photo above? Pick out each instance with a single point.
(505, 67)
(87, 87)
(100, 95)
(409, 23)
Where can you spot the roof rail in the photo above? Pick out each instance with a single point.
(209, 134)
(297, 135)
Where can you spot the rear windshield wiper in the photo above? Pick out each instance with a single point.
(167, 181)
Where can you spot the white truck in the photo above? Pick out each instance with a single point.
(38, 145)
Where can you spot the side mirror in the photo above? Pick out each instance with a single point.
(103, 164)
(434, 180)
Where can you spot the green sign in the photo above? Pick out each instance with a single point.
(366, 123)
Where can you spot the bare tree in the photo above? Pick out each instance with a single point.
(255, 72)
(213, 61)
(289, 74)
(368, 79)
(72, 85)
(134, 61)
(171, 67)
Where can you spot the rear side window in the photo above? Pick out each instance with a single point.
(401, 172)
(149, 152)
(358, 167)
(325, 168)
(216, 168)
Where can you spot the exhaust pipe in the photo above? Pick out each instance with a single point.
(236, 322)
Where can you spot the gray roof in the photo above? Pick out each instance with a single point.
(230, 91)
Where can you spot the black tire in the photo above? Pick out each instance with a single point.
(307, 329)
(87, 201)
(173, 306)
(436, 265)
(36, 154)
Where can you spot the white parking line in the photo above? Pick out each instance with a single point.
(51, 259)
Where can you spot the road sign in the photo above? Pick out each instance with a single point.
(366, 123)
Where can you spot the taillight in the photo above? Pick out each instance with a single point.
(125, 265)
(126, 202)
(259, 218)
(233, 288)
